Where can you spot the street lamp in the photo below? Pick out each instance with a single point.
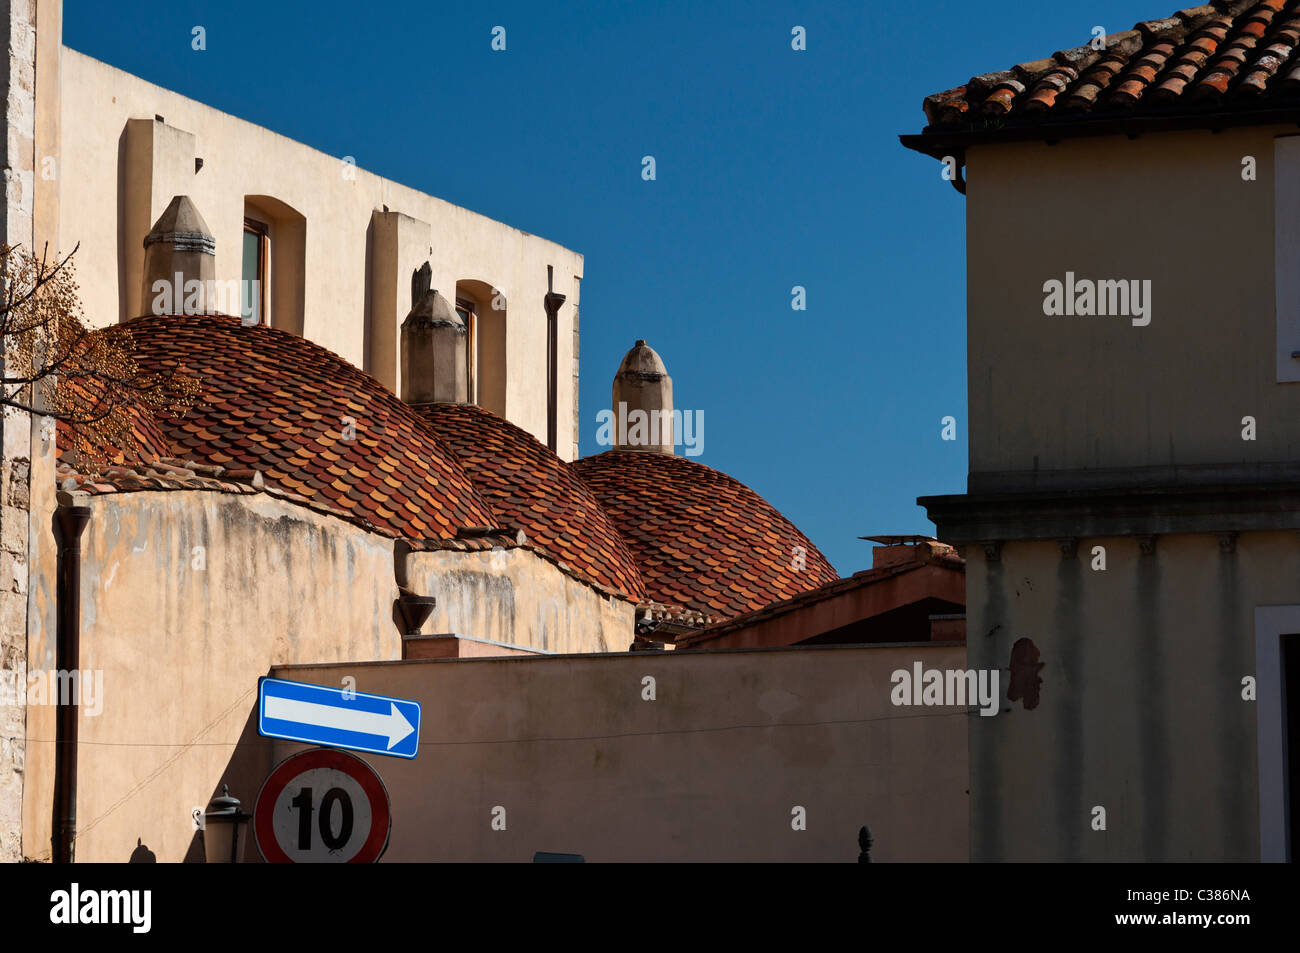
(222, 824)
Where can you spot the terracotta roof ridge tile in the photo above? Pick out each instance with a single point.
(125, 479)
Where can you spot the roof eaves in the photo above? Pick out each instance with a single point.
(938, 142)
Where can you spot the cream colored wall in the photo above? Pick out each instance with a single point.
(181, 648)
(515, 597)
(1075, 392)
(1141, 706)
(709, 771)
(113, 190)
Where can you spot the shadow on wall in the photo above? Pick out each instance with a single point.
(248, 767)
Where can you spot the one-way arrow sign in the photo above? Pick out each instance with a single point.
(319, 715)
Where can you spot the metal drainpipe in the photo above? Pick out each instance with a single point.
(72, 520)
(959, 180)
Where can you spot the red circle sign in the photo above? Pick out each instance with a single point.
(322, 806)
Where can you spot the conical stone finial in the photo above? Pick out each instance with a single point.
(180, 262)
(433, 348)
(643, 402)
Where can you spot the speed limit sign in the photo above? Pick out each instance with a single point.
(322, 807)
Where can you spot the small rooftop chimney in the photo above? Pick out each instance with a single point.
(898, 550)
(180, 262)
(643, 402)
(433, 347)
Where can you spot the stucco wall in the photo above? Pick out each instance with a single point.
(515, 597)
(1084, 392)
(710, 770)
(1141, 709)
(181, 647)
(115, 186)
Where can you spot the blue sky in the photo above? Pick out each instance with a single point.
(775, 168)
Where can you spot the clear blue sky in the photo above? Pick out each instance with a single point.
(775, 168)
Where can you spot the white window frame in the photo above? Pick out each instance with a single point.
(1271, 623)
(1286, 254)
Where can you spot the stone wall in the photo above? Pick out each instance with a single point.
(18, 68)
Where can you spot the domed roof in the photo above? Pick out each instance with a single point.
(139, 439)
(529, 487)
(276, 402)
(701, 539)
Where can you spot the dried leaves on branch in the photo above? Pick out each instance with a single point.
(55, 365)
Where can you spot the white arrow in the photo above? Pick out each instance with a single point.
(392, 726)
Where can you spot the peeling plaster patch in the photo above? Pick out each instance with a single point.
(111, 573)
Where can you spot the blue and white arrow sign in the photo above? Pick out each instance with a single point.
(319, 715)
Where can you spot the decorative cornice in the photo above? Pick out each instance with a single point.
(1089, 513)
(183, 241)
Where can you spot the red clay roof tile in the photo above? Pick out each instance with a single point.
(1231, 54)
(656, 501)
(528, 486)
(271, 397)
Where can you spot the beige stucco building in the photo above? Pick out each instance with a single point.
(377, 480)
(129, 147)
(1130, 524)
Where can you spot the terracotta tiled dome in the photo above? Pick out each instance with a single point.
(276, 402)
(701, 539)
(529, 487)
(142, 441)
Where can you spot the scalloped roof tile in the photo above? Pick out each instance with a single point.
(141, 441)
(529, 486)
(271, 397)
(703, 541)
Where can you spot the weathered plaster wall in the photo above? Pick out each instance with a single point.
(515, 597)
(1141, 709)
(1067, 392)
(708, 771)
(181, 647)
(189, 596)
(116, 184)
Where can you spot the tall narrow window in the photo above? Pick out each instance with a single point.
(468, 312)
(254, 287)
